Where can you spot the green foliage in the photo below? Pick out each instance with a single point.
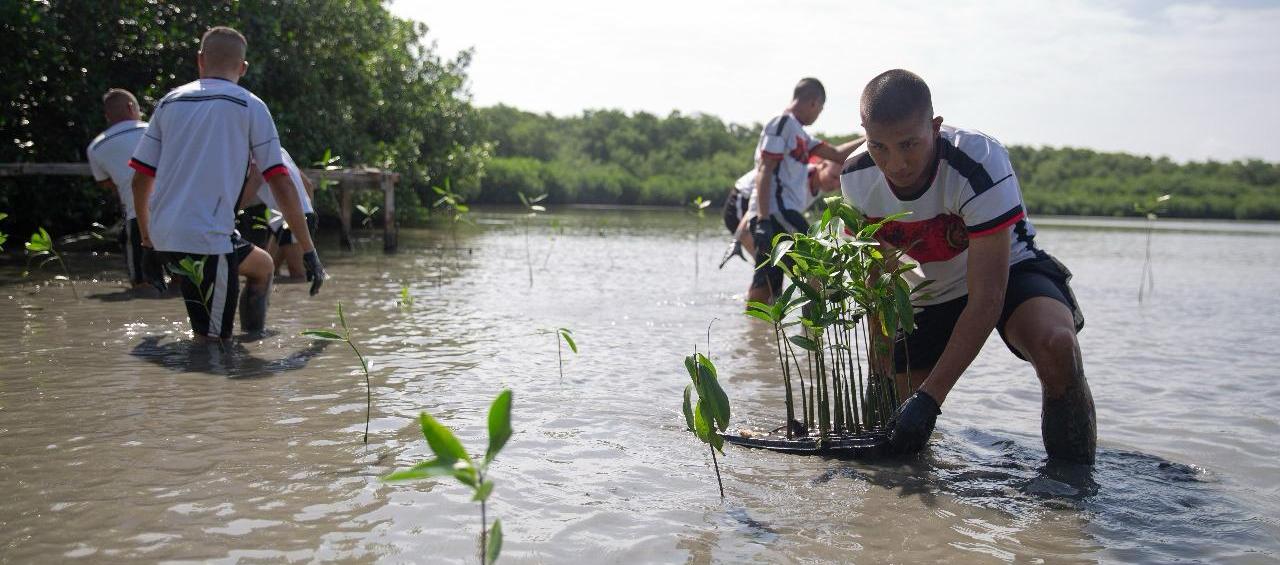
(3, 237)
(348, 77)
(406, 300)
(345, 337)
(711, 411)
(563, 336)
(40, 246)
(368, 214)
(452, 460)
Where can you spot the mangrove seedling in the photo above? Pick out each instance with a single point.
(328, 163)
(699, 207)
(41, 245)
(193, 270)
(455, 205)
(563, 336)
(367, 212)
(711, 412)
(3, 237)
(406, 300)
(452, 460)
(345, 337)
(1149, 209)
(530, 204)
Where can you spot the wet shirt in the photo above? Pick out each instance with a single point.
(197, 146)
(109, 155)
(784, 140)
(974, 192)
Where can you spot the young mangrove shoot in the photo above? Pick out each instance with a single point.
(1149, 209)
(699, 207)
(3, 237)
(405, 301)
(41, 245)
(368, 214)
(345, 337)
(452, 460)
(193, 270)
(455, 205)
(563, 336)
(710, 412)
(530, 204)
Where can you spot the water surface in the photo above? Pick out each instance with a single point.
(122, 441)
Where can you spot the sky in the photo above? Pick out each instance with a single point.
(1186, 80)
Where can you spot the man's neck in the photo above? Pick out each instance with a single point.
(116, 121)
(234, 78)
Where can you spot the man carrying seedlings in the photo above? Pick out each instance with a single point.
(195, 153)
(109, 155)
(968, 232)
(782, 180)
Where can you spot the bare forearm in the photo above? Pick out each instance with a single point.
(764, 174)
(142, 185)
(287, 198)
(967, 338)
(840, 152)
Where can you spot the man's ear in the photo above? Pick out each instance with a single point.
(937, 123)
(244, 67)
(200, 62)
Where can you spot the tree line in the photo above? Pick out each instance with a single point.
(350, 79)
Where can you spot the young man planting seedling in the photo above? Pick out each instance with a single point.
(782, 180)
(109, 155)
(969, 233)
(742, 205)
(195, 153)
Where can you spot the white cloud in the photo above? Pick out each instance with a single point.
(1189, 80)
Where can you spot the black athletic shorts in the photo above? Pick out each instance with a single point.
(765, 273)
(1042, 275)
(216, 316)
(133, 251)
(285, 236)
(735, 205)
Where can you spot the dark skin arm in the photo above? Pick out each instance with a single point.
(839, 153)
(142, 185)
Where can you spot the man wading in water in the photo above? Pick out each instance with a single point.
(968, 232)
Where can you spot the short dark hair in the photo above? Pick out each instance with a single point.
(118, 96)
(894, 96)
(808, 89)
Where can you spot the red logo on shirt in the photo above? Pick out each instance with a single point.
(801, 152)
(939, 238)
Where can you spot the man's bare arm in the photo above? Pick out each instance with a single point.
(309, 186)
(142, 185)
(764, 176)
(988, 275)
(839, 153)
(286, 194)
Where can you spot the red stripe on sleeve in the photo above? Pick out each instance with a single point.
(142, 167)
(274, 170)
(1003, 225)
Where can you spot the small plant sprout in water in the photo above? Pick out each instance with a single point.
(530, 204)
(1149, 209)
(367, 212)
(699, 207)
(455, 205)
(406, 300)
(193, 270)
(3, 237)
(710, 412)
(452, 460)
(563, 336)
(328, 163)
(345, 337)
(41, 246)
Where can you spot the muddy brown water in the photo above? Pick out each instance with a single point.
(120, 441)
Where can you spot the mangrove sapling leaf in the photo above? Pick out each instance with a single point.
(1149, 209)
(345, 337)
(711, 410)
(406, 300)
(368, 213)
(41, 246)
(451, 459)
(699, 206)
(3, 237)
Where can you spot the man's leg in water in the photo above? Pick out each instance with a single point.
(257, 269)
(1042, 329)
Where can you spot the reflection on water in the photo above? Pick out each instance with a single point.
(123, 440)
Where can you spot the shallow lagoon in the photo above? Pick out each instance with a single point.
(119, 441)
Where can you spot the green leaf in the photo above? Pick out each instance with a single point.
(691, 368)
(565, 333)
(342, 319)
(760, 315)
(483, 491)
(702, 422)
(442, 441)
(495, 543)
(426, 469)
(499, 425)
(803, 342)
(323, 334)
(780, 250)
(688, 408)
(709, 390)
(906, 315)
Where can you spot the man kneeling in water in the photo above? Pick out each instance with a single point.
(968, 231)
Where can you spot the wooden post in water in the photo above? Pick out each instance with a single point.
(389, 235)
(344, 216)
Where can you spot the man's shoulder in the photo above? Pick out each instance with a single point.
(973, 144)
(860, 160)
(780, 124)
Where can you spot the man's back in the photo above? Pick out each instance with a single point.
(198, 147)
(109, 155)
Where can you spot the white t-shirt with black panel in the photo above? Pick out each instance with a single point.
(785, 141)
(973, 193)
(811, 193)
(197, 146)
(109, 155)
(264, 191)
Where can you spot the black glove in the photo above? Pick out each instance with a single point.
(153, 269)
(762, 232)
(913, 423)
(315, 271)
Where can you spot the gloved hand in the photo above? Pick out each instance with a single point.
(315, 271)
(762, 232)
(153, 269)
(913, 422)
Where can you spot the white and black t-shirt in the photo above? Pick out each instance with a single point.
(197, 146)
(784, 140)
(109, 155)
(811, 193)
(973, 193)
(264, 191)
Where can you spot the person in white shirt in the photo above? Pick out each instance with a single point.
(109, 155)
(782, 179)
(968, 232)
(742, 204)
(194, 153)
(283, 246)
